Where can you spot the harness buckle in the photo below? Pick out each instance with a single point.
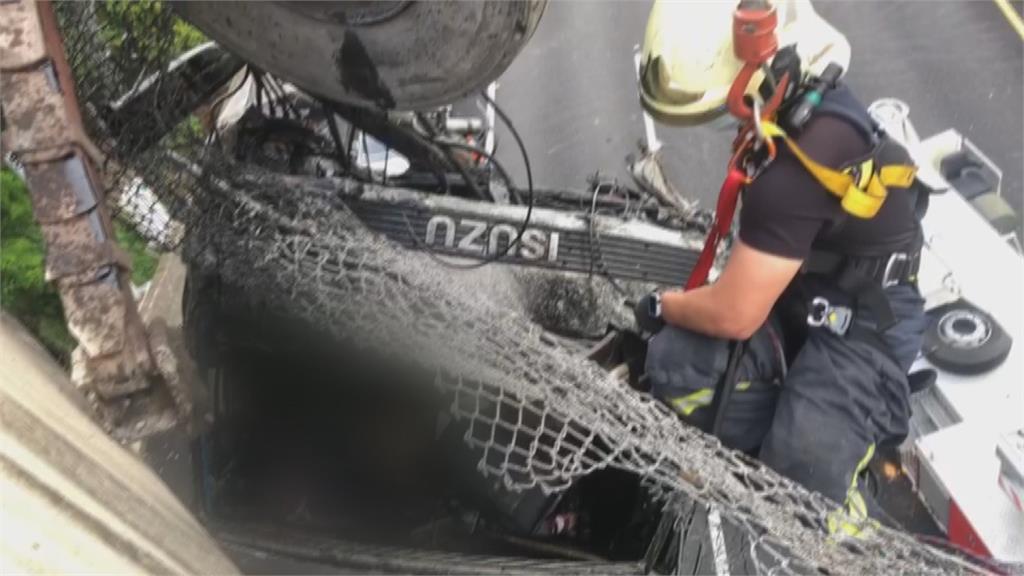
(823, 314)
(758, 128)
(897, 262)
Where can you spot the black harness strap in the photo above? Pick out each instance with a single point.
(864, 277)
(725, 385)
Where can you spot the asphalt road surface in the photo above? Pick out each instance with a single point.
(572, 93)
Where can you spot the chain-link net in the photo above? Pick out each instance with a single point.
(541, 416)
(539, 413)
(137, 113)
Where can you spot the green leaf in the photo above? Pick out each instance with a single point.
(24, 292)
(144, 260)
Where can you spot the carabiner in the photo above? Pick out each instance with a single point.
(758, 128)
(737, 163)
(823, 314)
(735, 98)
(818, 313)
(759, 132)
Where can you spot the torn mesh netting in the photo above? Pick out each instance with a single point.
(539, 414)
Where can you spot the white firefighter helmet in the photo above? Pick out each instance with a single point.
(688, 63)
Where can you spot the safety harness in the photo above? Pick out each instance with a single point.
(861, 186)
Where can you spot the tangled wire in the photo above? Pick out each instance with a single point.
(541, 415)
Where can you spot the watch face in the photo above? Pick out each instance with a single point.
(655, 306)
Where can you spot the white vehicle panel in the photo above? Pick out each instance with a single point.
(990, 274)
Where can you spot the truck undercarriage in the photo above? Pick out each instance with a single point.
(367, 450)
(310, 433)
(409, 361)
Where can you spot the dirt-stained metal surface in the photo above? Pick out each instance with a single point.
(132, 381)
(412, 55)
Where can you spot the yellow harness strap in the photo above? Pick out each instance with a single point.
(861, 188)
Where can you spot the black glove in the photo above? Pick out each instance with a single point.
(648, 313)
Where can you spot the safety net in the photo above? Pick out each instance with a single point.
(540, 414)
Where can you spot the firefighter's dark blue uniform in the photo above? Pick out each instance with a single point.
(812, 403)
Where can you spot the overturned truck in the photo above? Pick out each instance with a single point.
(409, 361)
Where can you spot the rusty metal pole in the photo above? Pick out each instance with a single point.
(129, 379)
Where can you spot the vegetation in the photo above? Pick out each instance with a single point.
(144, 260)
(131, 30)
(128, 30)
(24, 292)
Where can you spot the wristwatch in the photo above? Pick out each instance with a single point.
(654, 305)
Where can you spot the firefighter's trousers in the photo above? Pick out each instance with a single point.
(816, 420)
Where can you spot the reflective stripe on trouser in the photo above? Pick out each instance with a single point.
(684, 368)
(840, 397)
(688, 404)
(851, 519)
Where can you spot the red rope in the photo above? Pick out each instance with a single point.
(735, 180)
(754, 43)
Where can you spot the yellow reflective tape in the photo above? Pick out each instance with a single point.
(856, 505)
(686, 405)
(861, 466)
(852, 518)
(837, 526)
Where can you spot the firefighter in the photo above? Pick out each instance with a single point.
(820, 282)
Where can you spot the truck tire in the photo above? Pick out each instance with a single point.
(963, 339)
(400, 54)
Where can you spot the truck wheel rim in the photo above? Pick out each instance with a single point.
(964, 329)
